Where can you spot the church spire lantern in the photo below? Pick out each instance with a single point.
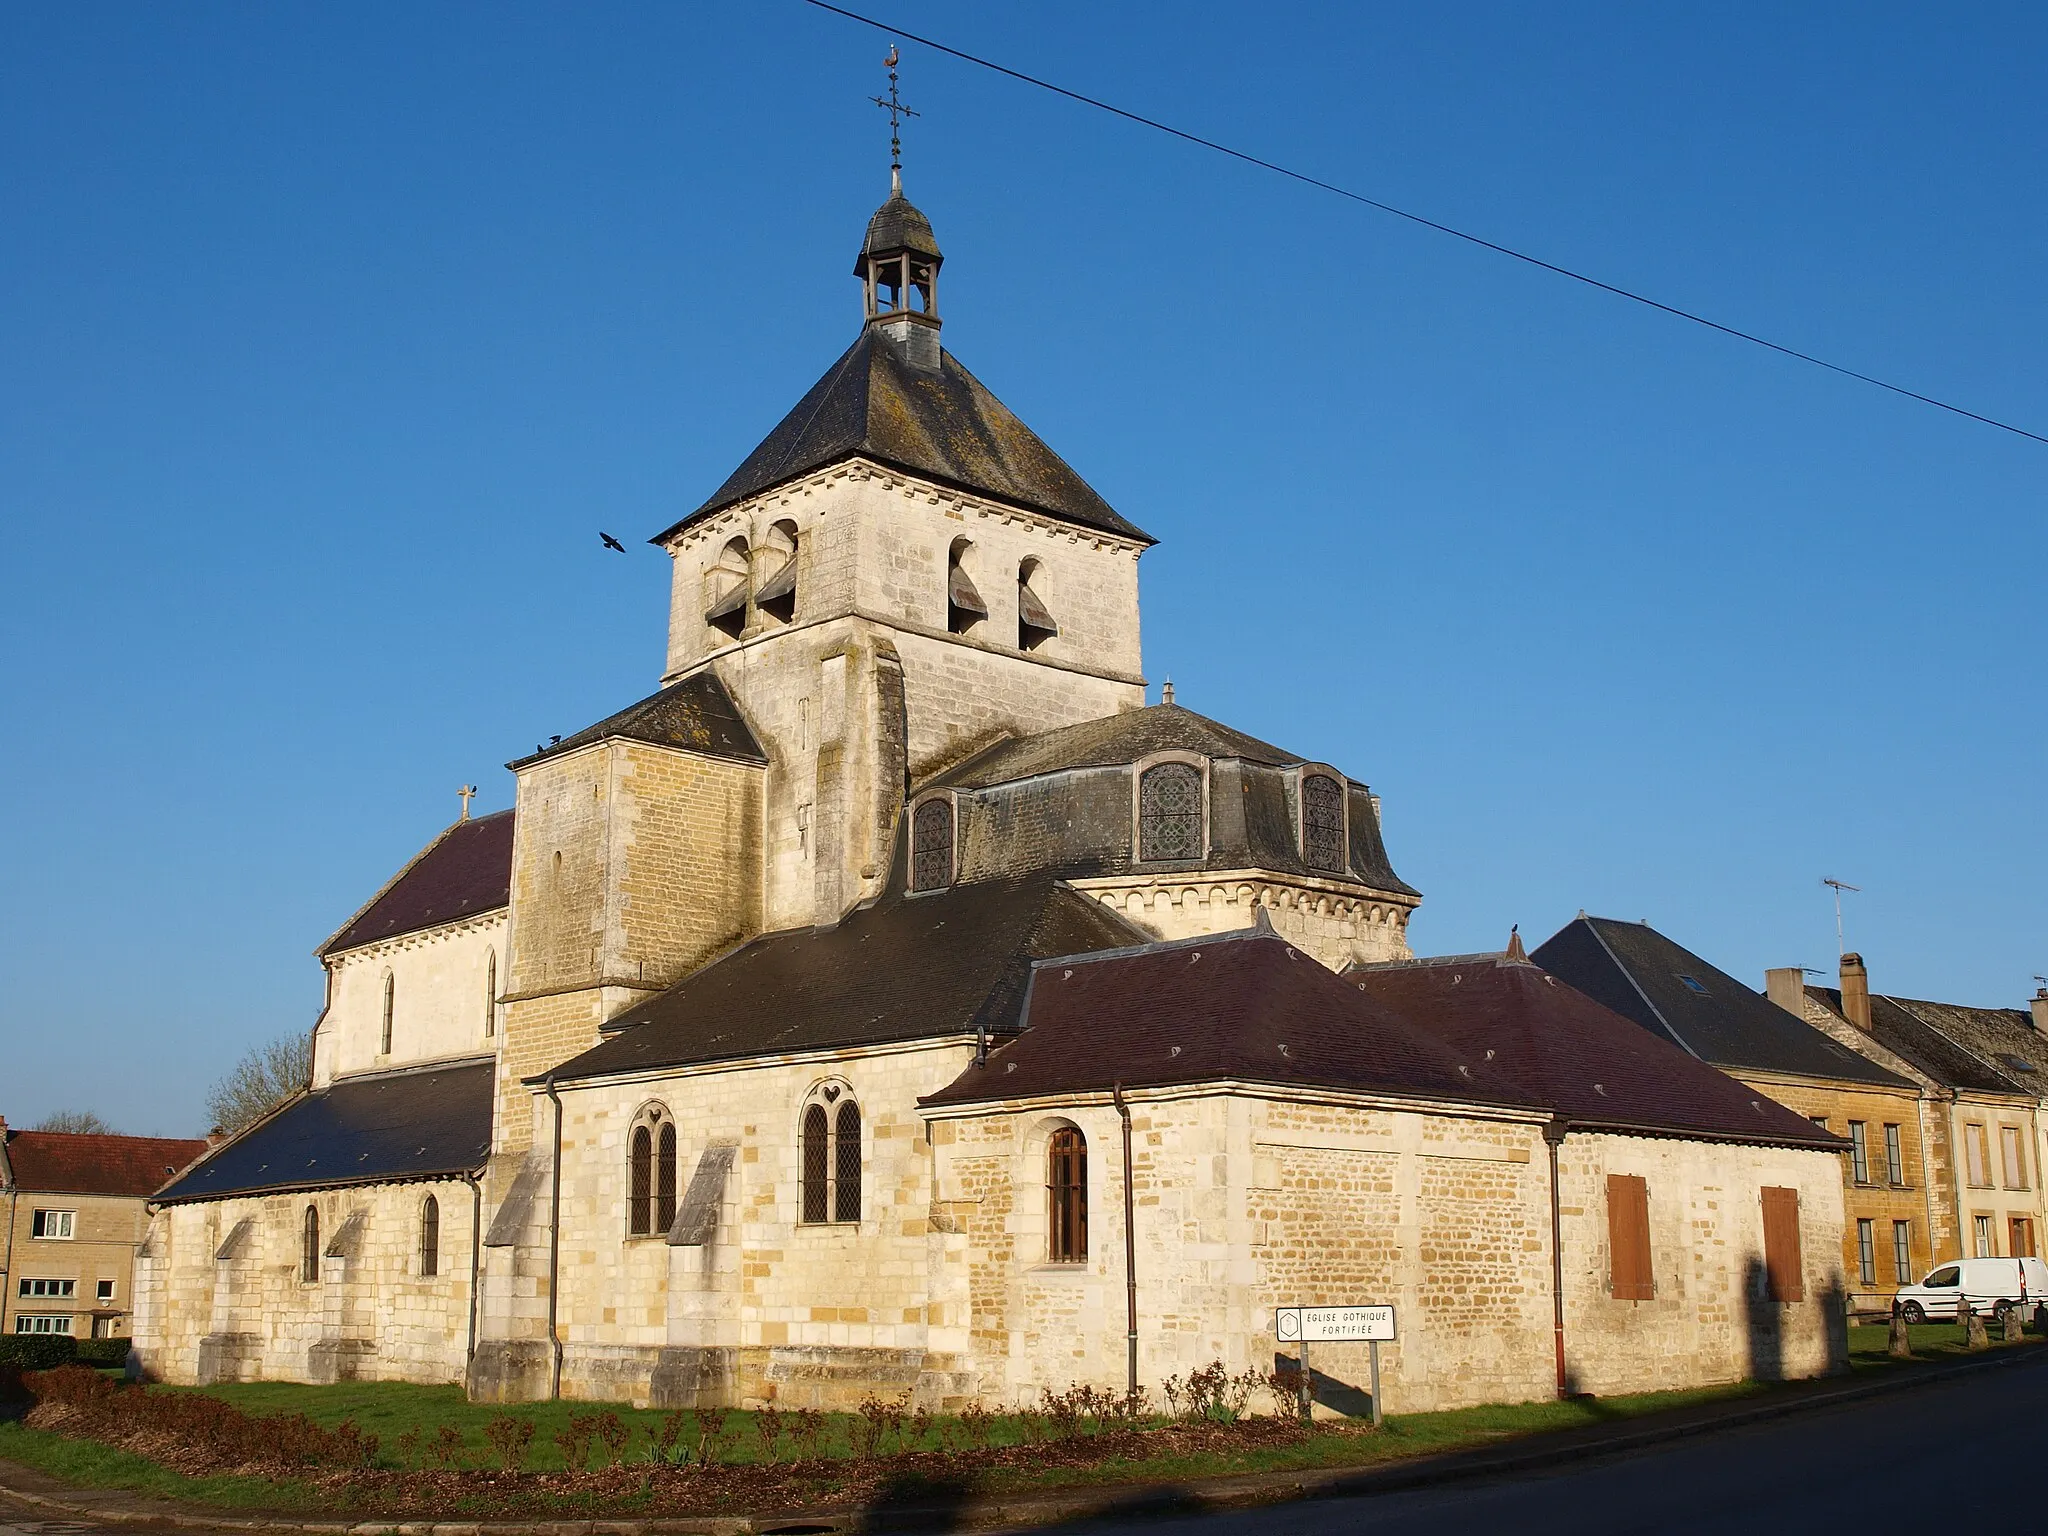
(899, 260)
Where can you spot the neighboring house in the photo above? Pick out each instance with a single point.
(1984, 1073)
(1896, 1220)
(76, 1209)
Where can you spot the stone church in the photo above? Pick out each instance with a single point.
(894, 1002)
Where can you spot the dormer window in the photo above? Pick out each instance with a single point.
(964, 607)
(931, 845)
(1035, 623)
(1170, 812)
(1322, 823)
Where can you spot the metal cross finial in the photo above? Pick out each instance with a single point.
(897, 111)
(466, 791)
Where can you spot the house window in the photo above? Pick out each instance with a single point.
(1979, 1147)
(24, 1323)
(390, 997)
(651, 1174)
(52, 1224)
(1894, 1157)
(1066, 1194)
(59, 1290)
(1322, 822)
(2020, 1229)
(1980, 1227)
(1866, 1250)
(105, 1290)
(490, 993)
(1629, 1274)
(1170, 812)
(832, 1156)
(430, 1236)
(1902, 1252)
(2015, 1159)
(1784, 1270)
(309, 1246)
(931, 846)
(1859, 1152)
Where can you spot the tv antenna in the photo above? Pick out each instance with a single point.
(1840, 886)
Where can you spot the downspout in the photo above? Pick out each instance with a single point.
(476, 1253)
(555, 1246)
(1130, 1256)
(1554, 1132)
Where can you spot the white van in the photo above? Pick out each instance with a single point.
(1994, 1286)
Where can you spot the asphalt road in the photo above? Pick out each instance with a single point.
(1927, 1458)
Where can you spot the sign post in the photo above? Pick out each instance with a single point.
(1370, 1325)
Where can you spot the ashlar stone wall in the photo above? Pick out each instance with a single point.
(1333, 922)
(441, 1008)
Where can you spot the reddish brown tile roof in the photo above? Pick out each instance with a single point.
(464, 871)
(61, 1163)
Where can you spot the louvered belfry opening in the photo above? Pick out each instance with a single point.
(931, 846)
(846, 1164)
(640, 1193)
(1170, 812)
(1066, 1189)
(817, 1165)
(964, 605)
(1630, 1276)
(1322, 823)
(665, 1178)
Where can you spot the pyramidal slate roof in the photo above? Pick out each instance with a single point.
(464, 871)
(1665, 988)
(696, 715)
(939, 424)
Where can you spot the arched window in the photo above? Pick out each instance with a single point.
(1066, 1195)
(1170, 812)
(1322, 822)
(651, 1173)
(931, 845)
(776, 597)
(640, 1196)
(309, 1246)
(665, 1177)
(1035, 623)
(490, 993)
(390, 1000)
(964, 607)
(832, 1156)
(430, 1236)
(727, 583)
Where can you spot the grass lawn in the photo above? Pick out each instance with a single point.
(390, 1409)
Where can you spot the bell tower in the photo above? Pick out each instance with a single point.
(899, 260)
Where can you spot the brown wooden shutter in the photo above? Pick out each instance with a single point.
(1782, 1262)
(1628, 1238)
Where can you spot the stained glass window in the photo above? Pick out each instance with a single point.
(665, 1178)
(1170, 812)
(1322, 822)
(931, 846)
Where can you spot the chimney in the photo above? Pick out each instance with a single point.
(1785, 985)
(1856, 991)
(2039, 1003)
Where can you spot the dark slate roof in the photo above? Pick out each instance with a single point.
(1637, 972)
(696, 714)
(1565, 1051)
(464, 871)
(897, 226)
(1934, 1039)
(64, 1163)
(1235, 1007)
(424, 1123)
(906, 968)
(941, 425)
(1061, 802)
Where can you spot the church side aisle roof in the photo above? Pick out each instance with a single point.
(423, 1123)
(464, 871)
(694, 715)
(904, 969)
(942, 425)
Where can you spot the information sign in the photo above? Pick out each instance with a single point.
(1331, 1325)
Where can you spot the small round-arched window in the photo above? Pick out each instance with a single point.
(430, 1236)
(1170, 812)
(931, 846)
(1066, 1197)
(1322, 822)
(309, 1246)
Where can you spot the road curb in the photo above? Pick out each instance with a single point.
(1119, 1501)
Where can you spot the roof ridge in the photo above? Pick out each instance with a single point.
(1630, 977)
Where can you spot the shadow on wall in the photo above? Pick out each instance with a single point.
(1768, 1319)
(1328, 1391)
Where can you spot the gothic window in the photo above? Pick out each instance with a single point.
(964, 607)
(390, 998)
(931, 846)
(309, 1246)
(490, 993)
(651, 1174)
(1066, 1193)
(776, 597)
(1322, 822)
(430, 1236)
(1170, 812)
(1035, 624)
(831, 1156)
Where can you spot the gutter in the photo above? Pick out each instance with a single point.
(555, 1246)
(1130, 1258)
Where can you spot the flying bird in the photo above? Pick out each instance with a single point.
(610, 542)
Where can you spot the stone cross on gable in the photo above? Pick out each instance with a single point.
(466, 792)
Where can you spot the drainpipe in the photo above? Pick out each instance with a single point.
(1130, 1255)
(1553, 1136)
(476, 1251)
(555, 1246)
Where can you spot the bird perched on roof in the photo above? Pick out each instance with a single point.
(610, 542)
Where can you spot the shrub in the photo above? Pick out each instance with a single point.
(806, 1429)
(109, 1354)
(509, 1437)
(612, 1433)
(37, 1351)
(103, 1409)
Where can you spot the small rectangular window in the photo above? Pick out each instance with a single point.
(1894, 1157)
(1630, 1275)
(1902, 1252)
(1694, 984)
(52, 1224)
(61, 1290)
(27, 1323)
(105, 1290)
(1784, 1267)
(1980, 1227)
(1866, 1250)
(2015, 1158)
(1859, 1152)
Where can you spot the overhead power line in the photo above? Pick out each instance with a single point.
(1416, 218)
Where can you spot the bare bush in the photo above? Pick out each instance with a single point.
(261, 1081)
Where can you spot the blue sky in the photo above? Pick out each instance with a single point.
(330, 336)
